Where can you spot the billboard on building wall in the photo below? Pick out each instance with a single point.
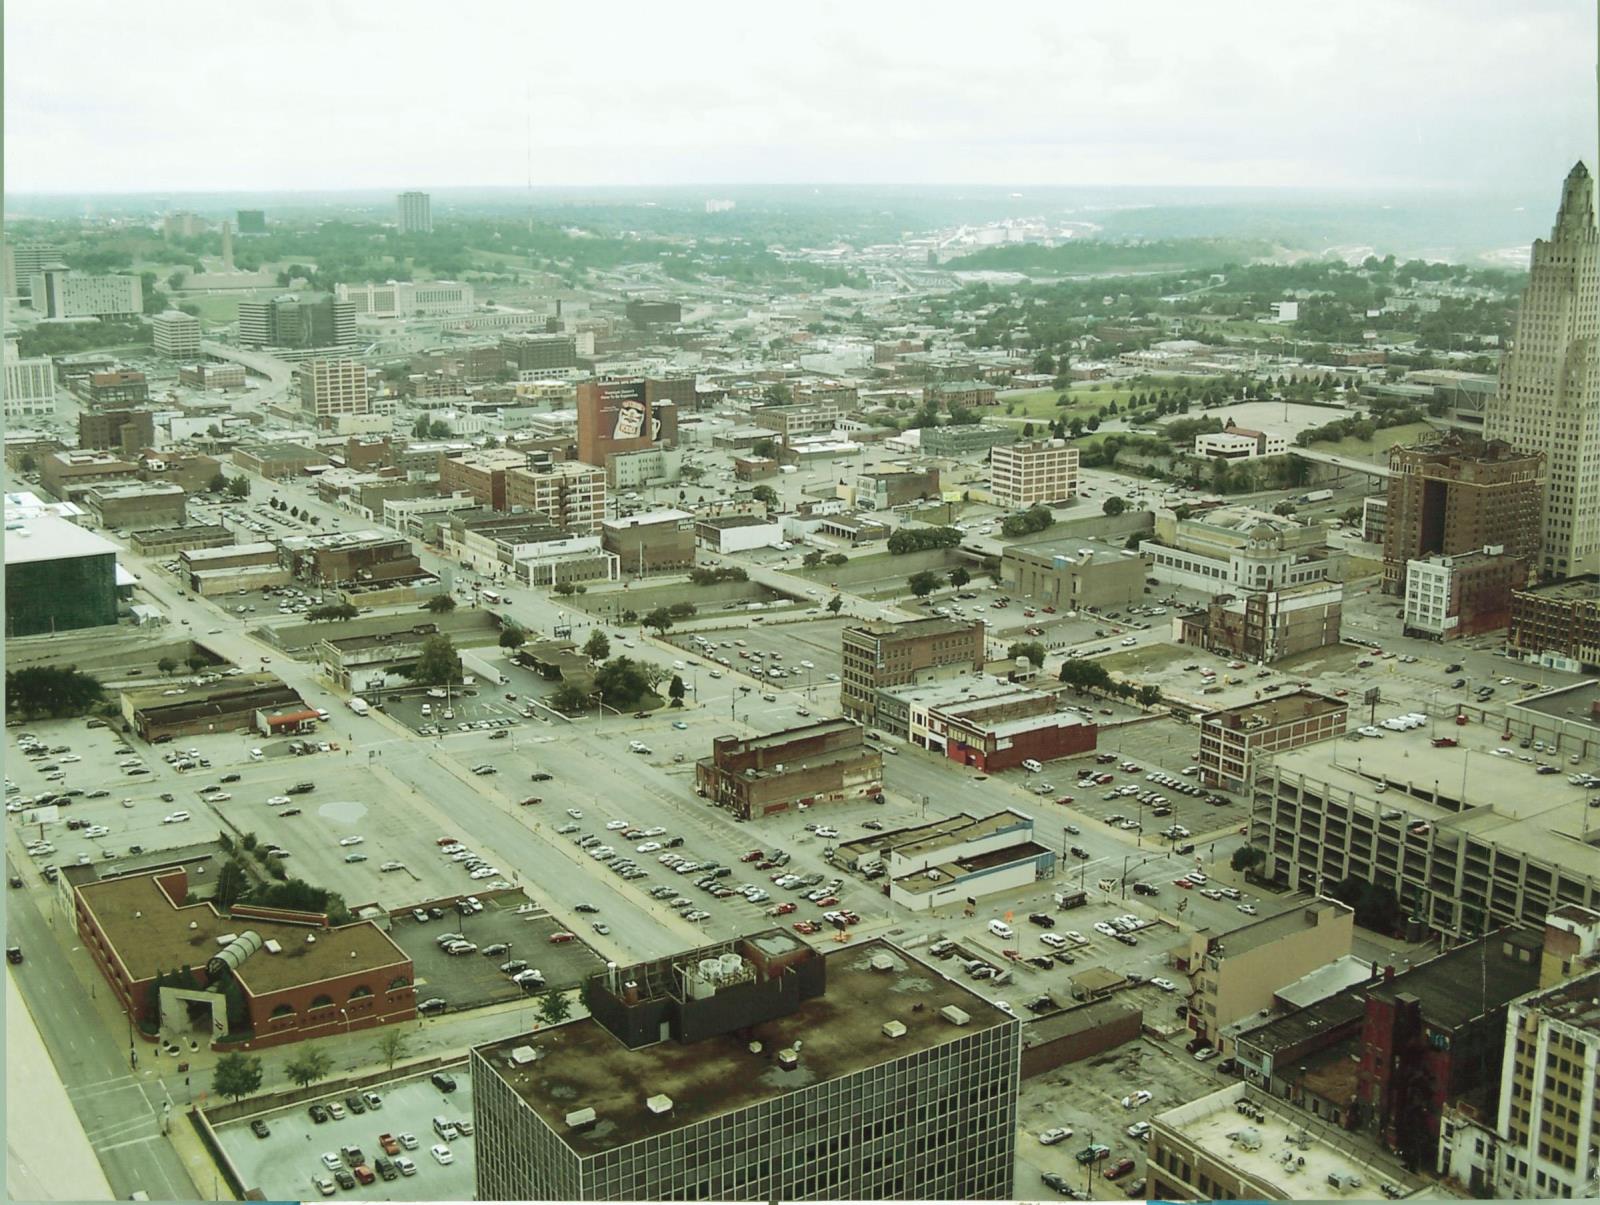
(618, 416)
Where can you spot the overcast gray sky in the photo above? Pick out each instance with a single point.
(137, 95)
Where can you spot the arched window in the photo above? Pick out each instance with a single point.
(283, 1010)
(361, 990)
(323, 1001)
(399, 983)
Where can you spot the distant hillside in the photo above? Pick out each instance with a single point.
(1096, 255)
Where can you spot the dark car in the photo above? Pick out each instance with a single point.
(443, 1082)
(259, 1128)
(1146, 889)
(300, 788)
(319, 1114)
(384, 1168)
(345, 1179)
(540, 776)
(13, 954)
(1079, 852)
(230, 778)
(1043, 919)
(355, 1104)
(1058, 1182)
(1453, 668)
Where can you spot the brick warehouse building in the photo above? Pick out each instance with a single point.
(299, 976)
(818, 763)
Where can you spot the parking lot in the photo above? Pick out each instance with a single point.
(285, 1164)
(470, 980)
(480, 708)
(1087, 1097)
(788, 645)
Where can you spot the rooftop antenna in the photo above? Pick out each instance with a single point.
(527, 108)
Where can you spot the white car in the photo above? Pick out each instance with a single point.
(175, 818)
(1128, 641)
(1102, 927)
(575, 813)
(616, 825)
(1165, 985)
(393, 866)
(1053, 940)
(351, 840)
(279, 800)
(636, 746)
(649, 847)
(442, 1153)
(655, 831)
(486, 872)
(1055, 1134)
(1075, 937)
(1138, 1098)
(827, 831)
(1139, 1130)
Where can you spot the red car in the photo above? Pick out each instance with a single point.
(851, 918)
(1064, 800)
(1444, 742)
(807, 926)
(1119, 1169)
(363, 1173)
(1184, 883)
(765, 864)
(447, 841)
(1103, 779)
(1048, 610)
(389, 1145)
(827, 901)
(780, 910)
(558, 939)
(531, 800)
(755, 855)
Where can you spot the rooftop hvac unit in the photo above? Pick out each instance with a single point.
(272, 946)
(659, 1104)
(881, 962)
(523, 1055)
(579, 1118)
(788, 1059)
(954, 1015)
(894, 1029)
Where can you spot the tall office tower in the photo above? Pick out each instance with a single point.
(176, 334)
(291, 321)
(30, 386)
(756, 1069)
(1549, 395)
(330, 388)
(416, 213)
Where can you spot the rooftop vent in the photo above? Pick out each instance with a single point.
(882, 962)
(894, 1029)
(756, 1048)
(659, 1104)
(788, 1059)
(271, 946)
(579, 1118)
(311, 939)
(954, 1015)
(521, 1056)
(223, 939)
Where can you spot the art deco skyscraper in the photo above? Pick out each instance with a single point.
(1549, 395)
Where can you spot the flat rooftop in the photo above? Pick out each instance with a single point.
(1574, 588)
(918, 882)
(913, 629)
(1276, 710)
(1471, 980)
(957, 831)
(150, 934)
(281, 451)
(1572, 1003)
(199, 556)
(1291, 1029)
(776, 740)
(1077, 552)
(46, 537)
(950, 694)
(1497, 800)
(1274, 928)
(649, 518)
(1212, 1122)
(581, 1065)
(1573, 704)
(1327, 980)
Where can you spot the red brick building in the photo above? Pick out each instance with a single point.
(481, 474)
(299, 976)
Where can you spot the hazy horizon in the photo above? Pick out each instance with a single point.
(318, 97)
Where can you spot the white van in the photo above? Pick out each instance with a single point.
(1031, 766)
(1002, 930)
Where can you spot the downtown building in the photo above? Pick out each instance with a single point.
(176, 334)
(407, 299)
(30, 386)
(332, 389)
(292, 324)
(1030, 474)
(917, 651)
(59, 293)
(756, 1069)
(416, 212)
(1549, 396)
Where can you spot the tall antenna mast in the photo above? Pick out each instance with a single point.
(527, 107)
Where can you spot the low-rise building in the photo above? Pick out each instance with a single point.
(127, 505)
(297, 975)
(1465, 594)
(968, 439)
(279, 460)
(1558, 625)
(643, 467)
(1268, 625)
(481, 473)
(661, 541)
(819, 763)
(950, 861)
(571, 493)
(119, 387)
(213, 374)
(1231, 740)
(726, 534)
(30, 391)
(1240, 443)
(120, 429)
(207, 707)
(987, 724)
(1071, 576)
(895, 485)
(67, 474)
(1238, 1143)
(1236, 973)
(946, 395)
(877, 655)
(1238, 551)
(353, 661)
(166, 541)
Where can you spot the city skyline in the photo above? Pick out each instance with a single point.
(1455, 96)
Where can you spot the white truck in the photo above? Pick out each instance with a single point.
(359, 706)
(1316, 496)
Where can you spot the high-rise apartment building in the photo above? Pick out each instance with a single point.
(294, 322)
(23, 261)
(571, 493)
(331, 388)
(1456, 495)
(58, 293)
(756, 1069)
(903, 654)
(1023, 475)
(1549, 395)
(182, 225)
(30, 386)
(416, 213)
(176, 334)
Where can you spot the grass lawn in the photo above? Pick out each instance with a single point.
(1149, 656)
(1378, 446)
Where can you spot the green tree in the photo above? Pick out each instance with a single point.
(660, 619)
(513, 636)
(392, 1045)
(836, 559)
(195, 662)
(238, 487)
(167, 664)
(1114, 506)
(564, 589)
(623, 683)
(554, 1007)
(333, 611)
(438, 662)
(1031, 649)
(441, 604)
(218, 482)
(812, 559)
(307, 1067)
(1085, 676)
(232, 884)
(959, 576)
(835, 604)
(924, 583)
(597, 647)
(765, 494)
(1247, 859)
(569, 698)
(676, 690)
(236, 1076)
(764, 449)
(1149, 696)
